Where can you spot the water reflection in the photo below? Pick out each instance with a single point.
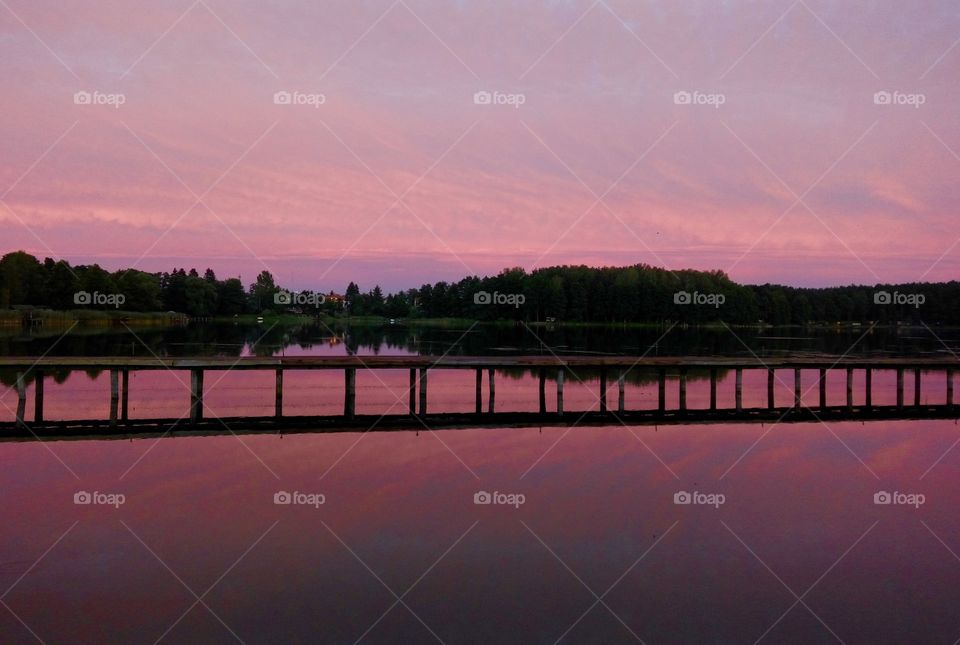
(599, 518)
(313, 338)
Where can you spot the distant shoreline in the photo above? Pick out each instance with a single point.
(120, 318)
(50, 317)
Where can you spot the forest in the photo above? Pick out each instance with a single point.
(631, 294)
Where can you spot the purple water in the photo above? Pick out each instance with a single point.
(798, 517)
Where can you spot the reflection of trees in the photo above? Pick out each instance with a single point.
(231, 339)
(634, 376)
(8, 377)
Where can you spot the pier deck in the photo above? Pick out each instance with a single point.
(544, 367)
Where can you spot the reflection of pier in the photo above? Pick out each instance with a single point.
(557, 369)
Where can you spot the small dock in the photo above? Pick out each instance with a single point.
(556, 370)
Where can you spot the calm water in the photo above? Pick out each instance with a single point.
(784, 512)
(598, 517)
(319, 339)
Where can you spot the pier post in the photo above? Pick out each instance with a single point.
(349, 392)
(713, 389)
(739, 392)
(114, 395)
(823, 389)
(662, 390)
(412, 395)
(423, 391)
(899, 387)
(603, 389)
(796, 388)
(479, 401)
(916, 387)
(543, 390)
(196, 396)
(949, 387)
(621, 392)
(683, 389)
(491, 401)
(278, 400)
(849, 388)
(868, 401)
(560, 392)
(21, 398)
(38, 397)
(125, 395)
(771, 397)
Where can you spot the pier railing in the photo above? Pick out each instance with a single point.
(558, 368)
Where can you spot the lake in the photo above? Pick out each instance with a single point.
(719, 533)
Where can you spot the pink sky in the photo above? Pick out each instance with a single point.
(598, 166)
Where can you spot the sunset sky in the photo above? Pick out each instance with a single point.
(399, 177)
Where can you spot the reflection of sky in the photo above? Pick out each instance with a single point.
(512, 186)
(598, 498)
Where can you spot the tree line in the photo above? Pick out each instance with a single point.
(632, 294)
(55, 284)
(646, 294)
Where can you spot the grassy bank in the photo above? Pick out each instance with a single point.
(10, 318)
(91, 317)
(267, 319)
(341, 321)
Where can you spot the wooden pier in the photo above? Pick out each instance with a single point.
(559, 369)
